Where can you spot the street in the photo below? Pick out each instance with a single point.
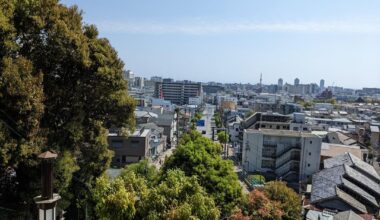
(207, 115)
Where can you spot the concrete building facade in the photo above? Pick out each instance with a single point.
(291, 155)
(177, 92)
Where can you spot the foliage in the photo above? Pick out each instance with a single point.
(223, 137)
(61, 87)
(218, 120)
(289, 201)
(198, 116)
(113, 200)
(175, 196)
(199, 156)
(306, 105)
(142, 169)
(260, 207)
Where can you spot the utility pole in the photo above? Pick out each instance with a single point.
(177, 110)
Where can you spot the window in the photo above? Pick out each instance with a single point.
(309, 153)
(305, 129)
(135, 141)
(236, 129)
(116, 143)
(308, 165)
(311, 142)
(278, 127)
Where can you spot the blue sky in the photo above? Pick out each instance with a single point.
(236, 40)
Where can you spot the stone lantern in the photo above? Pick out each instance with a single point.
(47, 202)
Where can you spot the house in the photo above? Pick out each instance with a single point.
(143, 116)
(167, 121)
(375, 136)
(338, 137)
(157, 142)
(328, 215)
(129, 149)
(346, 183)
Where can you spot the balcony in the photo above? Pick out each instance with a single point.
(289, 148)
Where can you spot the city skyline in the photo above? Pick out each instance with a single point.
(236, 42)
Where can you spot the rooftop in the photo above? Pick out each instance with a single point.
(374, 129)
(351, 160)
(344, 178)
(286, 133)
(332, 150)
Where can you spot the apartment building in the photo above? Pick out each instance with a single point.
(177, 92)
(290, 155)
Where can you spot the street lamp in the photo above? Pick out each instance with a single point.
(48, 200)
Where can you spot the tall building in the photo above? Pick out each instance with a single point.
(280, 83)
(177, 92)
(129, 74)
(291, 155)
(322, 85)
(130, 77)
(139, 82)
(296, 82)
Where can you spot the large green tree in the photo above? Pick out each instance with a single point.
(173, 196)
(61, 87)
(200, 157)
(289, 201)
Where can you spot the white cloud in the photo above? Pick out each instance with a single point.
(202, 28)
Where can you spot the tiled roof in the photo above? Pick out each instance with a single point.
(362, 179)
(352, 160)
(351, 200)
(347, 215)
(342, 178)
(360, 191)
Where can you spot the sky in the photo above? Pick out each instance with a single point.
(236, 40)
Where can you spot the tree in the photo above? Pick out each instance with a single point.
(223, 137)
(142, 169)
(218, 120)
(174, 196)
(259, 207)
(113, 200)
(198, 116)
(200, 157)
(61, 88)
(289, 201)
(179, 197)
